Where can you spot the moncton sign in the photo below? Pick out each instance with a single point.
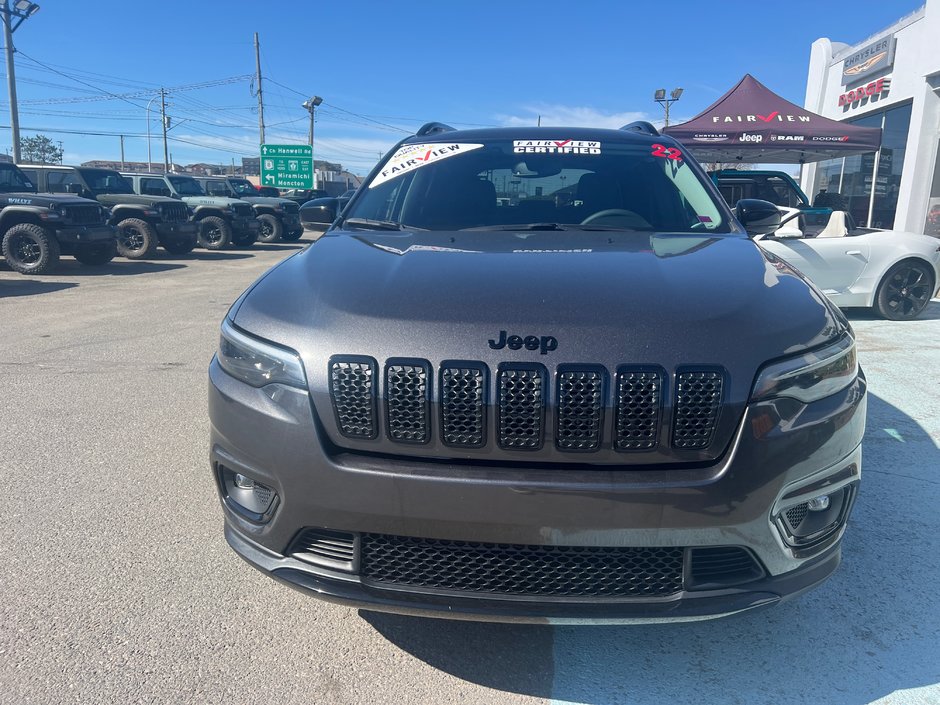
(876, 57)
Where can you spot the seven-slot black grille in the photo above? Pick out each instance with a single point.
(639, 401)
(242, 210)
(352, 388)
(463, 415)
(521, 407)
(174, 212)
(580, 409)
(524, 413)
(406, 399)
(81, 214)
(291, 207)
(698, 401)
(510, 569)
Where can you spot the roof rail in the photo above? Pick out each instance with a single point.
(432, 128)
(641, 126)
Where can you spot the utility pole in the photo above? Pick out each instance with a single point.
(260, 97)
(166, 149)
(122, 153)
(21, 10)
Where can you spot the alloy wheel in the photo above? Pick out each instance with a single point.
(908, 291)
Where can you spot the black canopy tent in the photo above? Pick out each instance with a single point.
(751, 123)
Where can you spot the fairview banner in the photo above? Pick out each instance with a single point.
(751, 123)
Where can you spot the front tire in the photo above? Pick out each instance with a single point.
(271, 229)
(293, 235)
(95, 254)
(30, 249)
(136, 239)
(905, 291)
(214, 233)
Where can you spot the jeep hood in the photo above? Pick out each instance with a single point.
(608, 298)
(42, 200)
(267, 201)
(220, 201)
(113, 199)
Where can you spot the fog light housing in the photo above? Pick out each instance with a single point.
(247, 496)
(813, 521)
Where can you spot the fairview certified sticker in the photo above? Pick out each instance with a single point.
(414, 156)
(556, 147)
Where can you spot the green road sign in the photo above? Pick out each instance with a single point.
(287, 165)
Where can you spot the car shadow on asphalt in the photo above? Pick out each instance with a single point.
(205, 255)
(30, 287)
(930, 313)
(116, 267)
(868, 632)
(279, 246)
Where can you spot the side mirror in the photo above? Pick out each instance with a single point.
(758, 217)
(77, 189)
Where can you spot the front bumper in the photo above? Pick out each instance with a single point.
(177, 230)
(80, 234)
(783, 454)
(245, 225)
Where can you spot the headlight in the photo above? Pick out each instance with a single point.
(257, 362)
(810, 376)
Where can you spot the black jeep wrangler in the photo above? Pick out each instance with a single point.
(37, 228)
(220, 221)
(142, 222)
(278, 218)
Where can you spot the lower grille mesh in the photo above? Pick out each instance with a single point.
(563, 571)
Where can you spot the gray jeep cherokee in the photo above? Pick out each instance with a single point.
(539, 374)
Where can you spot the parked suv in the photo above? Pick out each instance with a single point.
(220, 221)
(278, 218)
(37, 228)
(596, 399)
(142, 222)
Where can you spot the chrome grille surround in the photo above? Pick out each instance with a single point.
(353, 393)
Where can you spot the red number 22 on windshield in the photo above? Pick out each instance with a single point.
(667, 152)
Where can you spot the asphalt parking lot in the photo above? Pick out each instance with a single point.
(118, 587)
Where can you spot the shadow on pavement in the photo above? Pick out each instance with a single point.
(868, 632)
(931, 313)
(279, 246)
(30, 287)
(206, 255)
(117, 267)
(508, 657)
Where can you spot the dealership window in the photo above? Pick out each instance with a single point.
(854, 177)
(933, 205)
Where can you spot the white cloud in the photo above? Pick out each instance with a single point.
(572, 116)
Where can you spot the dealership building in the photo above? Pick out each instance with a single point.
(890, 80)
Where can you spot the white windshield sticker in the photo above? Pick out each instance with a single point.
(556, 147)
(414, 156)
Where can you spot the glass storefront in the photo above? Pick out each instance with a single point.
(854, 177)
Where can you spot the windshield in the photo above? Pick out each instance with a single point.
(565, 183)
(105, 181)
(243, 187)
(186, 186)
(13, 180)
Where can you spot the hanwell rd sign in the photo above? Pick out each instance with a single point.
(287, 165)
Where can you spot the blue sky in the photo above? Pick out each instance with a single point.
(384, 68)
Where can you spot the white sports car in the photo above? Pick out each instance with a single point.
(894, 272)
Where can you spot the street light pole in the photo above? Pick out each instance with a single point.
(660, 97)
(311, 106)
(149, 154)
(21, 10)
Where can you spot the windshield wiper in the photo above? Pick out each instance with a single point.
(372, 224)
(524, 226)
